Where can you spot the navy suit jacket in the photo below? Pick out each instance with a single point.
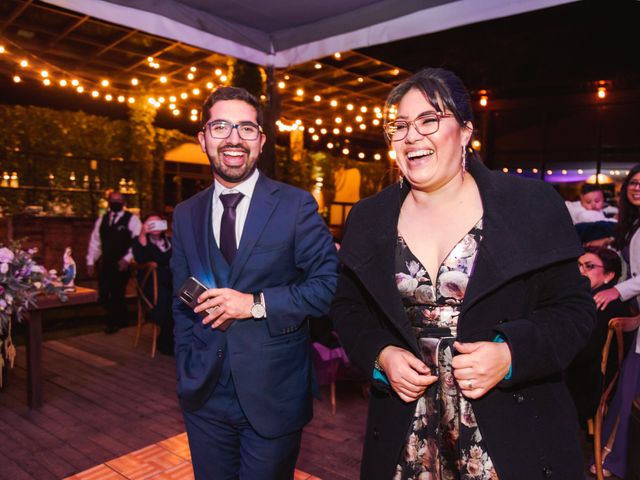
(287, 252)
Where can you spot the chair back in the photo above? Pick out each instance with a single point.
(616, 327)
(145, 274)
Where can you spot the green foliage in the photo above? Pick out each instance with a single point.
(36, 142)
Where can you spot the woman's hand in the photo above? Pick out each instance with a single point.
(480, 366)
(605, 297)
(409, 376)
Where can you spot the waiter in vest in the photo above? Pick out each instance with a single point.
(111, 239)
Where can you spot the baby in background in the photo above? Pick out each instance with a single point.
(590, 207)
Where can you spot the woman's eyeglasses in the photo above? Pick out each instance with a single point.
(588, 266)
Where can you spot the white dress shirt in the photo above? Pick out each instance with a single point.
(95, 243)
(242, 209)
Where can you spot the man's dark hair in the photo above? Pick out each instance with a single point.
(229, 93)
(590, 187)
(610, 261)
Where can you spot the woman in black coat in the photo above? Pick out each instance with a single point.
(461, 296)
(152, 245)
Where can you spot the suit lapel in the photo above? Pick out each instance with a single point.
(263, 202)
(201, 221)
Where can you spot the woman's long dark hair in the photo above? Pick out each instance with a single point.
(629, 214)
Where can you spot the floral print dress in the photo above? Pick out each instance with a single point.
(444, 441)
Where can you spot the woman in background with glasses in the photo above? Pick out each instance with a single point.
(616, 425)
(461, 298)
(602, 266)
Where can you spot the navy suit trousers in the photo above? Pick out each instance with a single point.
(224, 446)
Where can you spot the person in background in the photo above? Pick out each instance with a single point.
(602, 266)
(111, 241)
(590, 208)
(460, 297)
(153, 245)
(244, 370)
(627, 241)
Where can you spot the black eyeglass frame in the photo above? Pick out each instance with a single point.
(437, 115)
(588, 266)
(208, 125)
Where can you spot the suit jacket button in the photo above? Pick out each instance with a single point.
(376, 434)
(518, 397)
(220, 353)
(547, 472)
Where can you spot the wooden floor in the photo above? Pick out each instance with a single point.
(103, 399)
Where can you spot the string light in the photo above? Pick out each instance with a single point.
(377, 156)
(218, 72)
(190, 76)
(333, 103)
(317, 98)
(44, 74)
(329, 145)
(323, 131)
(363, 109)
(317, 66)
(484, 100)
(95, 94)
(108, 97)
(299, 92)
(46, 82)
(318, 121)
(196, 91)
(348, 129)
(163, 79)
(17, 79)
(80, 89)
(2, 49)
(336, 131)
(602, 92)
(104, 83)
(209, 85)
(223, 78)
(24, 63)
(338, 120)
(134, 81)
(192, 68)
(345, 151)
(62, 83)
(349, 107)
(534, 170)
(359, 118)
(361, 155)
(337, 55)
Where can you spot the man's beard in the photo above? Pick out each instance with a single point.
(232, 174)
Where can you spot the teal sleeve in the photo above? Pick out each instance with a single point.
(500, 339)
(381, 377)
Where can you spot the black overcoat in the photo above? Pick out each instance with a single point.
(525, 286)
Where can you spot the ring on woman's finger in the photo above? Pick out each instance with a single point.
(213, 309)
(469, 385)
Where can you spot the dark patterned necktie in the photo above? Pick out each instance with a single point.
(228, 225)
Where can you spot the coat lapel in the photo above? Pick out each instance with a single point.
(263, 202)
(201, 221)
(372, 259)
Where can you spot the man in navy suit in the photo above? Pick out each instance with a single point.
(267, 258)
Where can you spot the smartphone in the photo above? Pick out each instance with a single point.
(157, 226)
(188, 294)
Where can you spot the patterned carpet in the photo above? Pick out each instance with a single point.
(169, 459)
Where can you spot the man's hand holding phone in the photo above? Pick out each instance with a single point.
(223, 305)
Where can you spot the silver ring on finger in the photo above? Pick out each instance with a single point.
(470, 384)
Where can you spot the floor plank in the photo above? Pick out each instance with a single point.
(104, 399)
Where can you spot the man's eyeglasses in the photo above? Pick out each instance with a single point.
(426, 124)
(588, 266)
(246, 130)
(633, 184)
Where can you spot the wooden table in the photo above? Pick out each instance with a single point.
(34, 336)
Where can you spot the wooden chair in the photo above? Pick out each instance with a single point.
(143, 275)
(617, 326)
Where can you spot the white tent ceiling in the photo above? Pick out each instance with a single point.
(288, 32)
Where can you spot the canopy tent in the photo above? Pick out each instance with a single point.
(288, 32)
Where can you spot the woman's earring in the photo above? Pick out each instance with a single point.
(464, 161)
(401, 181)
